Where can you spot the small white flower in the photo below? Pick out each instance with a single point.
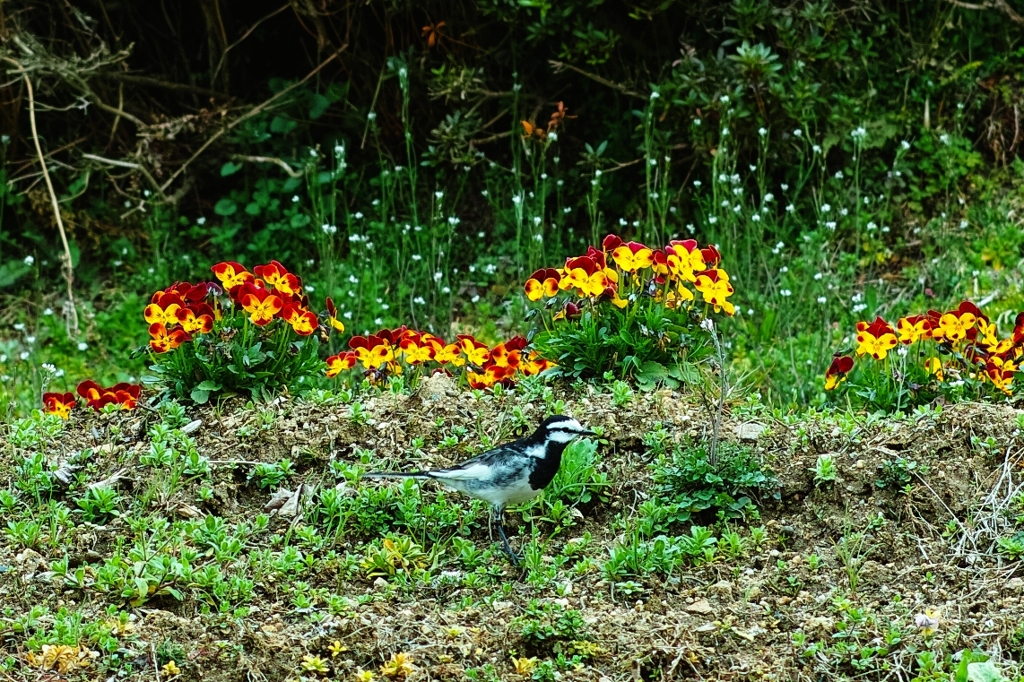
(871, 226)
(696, 183)
(353, 279)
(29, 260)
(734, 178)
(347, 314)
(3, 356)
(785, 187)
(453, 220)
(724, 99)
(798, 133)
(446, 290)
(712, 219)
(769, 198)
(839, 175)
(725, 132)
(818, 276)
(707, 324)
(831, 225)
(437, 276)
(48, 312)
(825, 208)
(310, 288)
(816, 149)
(904, 145)
(24, 355)
(419, 300)
(476, 298)
(885, 229)
(722, 177)
(786, 292)
(696, 121)
(944, 138)
(762, 132)
(536, 220)
(736, 191)
(963, 224)
(19, 327)
(655, 95)
(753, 168)
(82, 345)
(372, 116)
(725, 203)
(790, 208)
(755, 218)
(552, 136)
(357, 215)
(539, 238)
(784, 269)
(30, 340)
(822, 300)
(843, 211)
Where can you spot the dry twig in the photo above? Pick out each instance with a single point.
(67, 268)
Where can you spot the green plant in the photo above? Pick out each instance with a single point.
(1013, 546)
(99, 503)
(824, 470)
(392, 556)
(687, 484)
(548, 625)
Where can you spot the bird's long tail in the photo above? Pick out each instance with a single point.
(397, 474)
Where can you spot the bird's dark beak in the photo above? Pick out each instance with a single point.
(588, 433)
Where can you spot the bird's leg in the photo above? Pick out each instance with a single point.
(499, 514)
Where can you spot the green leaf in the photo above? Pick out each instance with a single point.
(299, 220)
(318, 104)
(199, 396)
(230, 168)
(282, 125)
(252, 208)
(209, 385)
(225, 207)
(984, 672)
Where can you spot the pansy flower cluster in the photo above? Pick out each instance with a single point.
(950, 345)
(390, 351)
(623, 272)
(124, 395)
(184, 311)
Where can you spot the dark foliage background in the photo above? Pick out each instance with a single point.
(182, 133)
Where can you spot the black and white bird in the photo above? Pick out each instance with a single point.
(510, 473)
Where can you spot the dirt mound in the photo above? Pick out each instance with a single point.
(836, 581)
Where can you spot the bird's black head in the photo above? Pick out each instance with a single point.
(561, 429)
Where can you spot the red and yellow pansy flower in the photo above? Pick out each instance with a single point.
(232, 275)
(837, 371)
(163, 340)
(715, 288)
(261, 305)
(59, 404)
(875, 339)
(542, 284)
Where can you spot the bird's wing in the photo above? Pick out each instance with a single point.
(467, 471)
